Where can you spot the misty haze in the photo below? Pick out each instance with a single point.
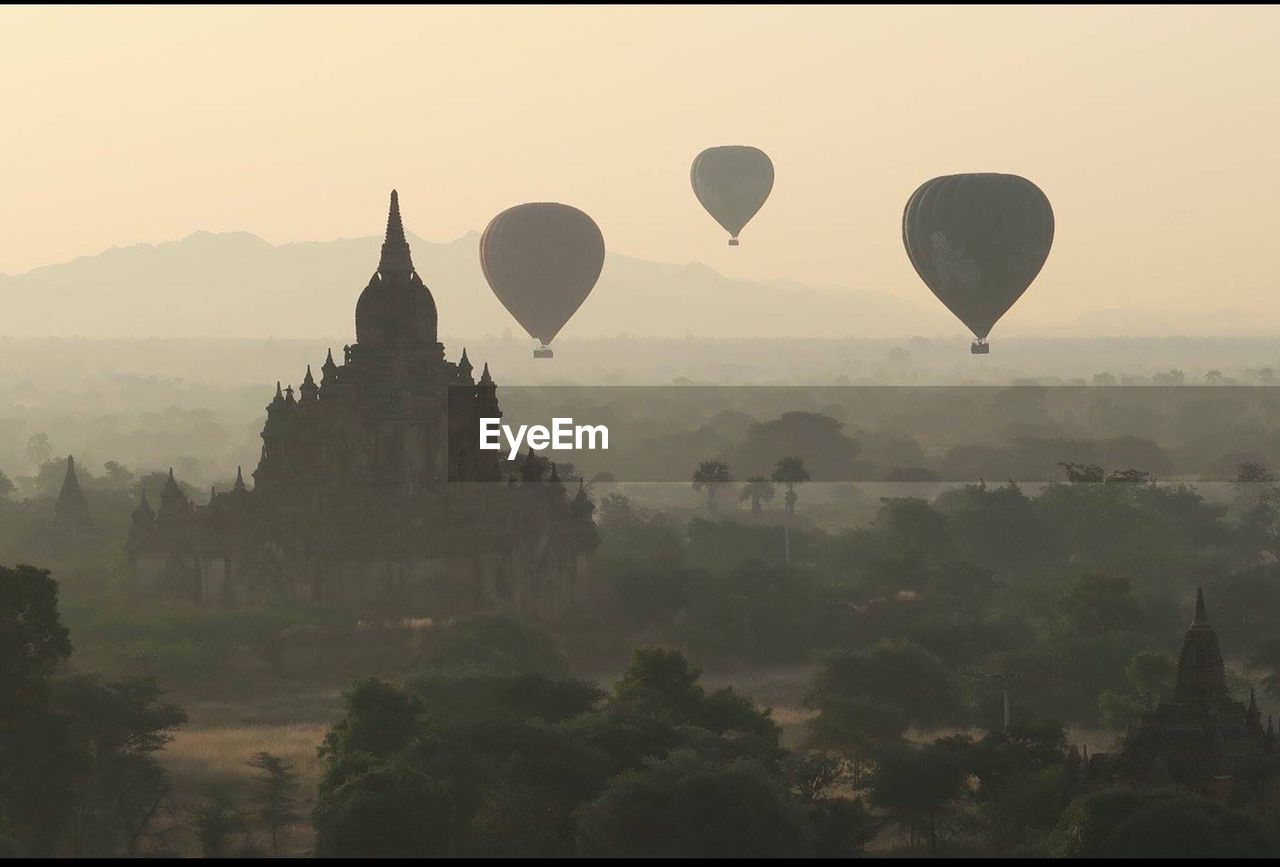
(924, 364)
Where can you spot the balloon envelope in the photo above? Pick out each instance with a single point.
(977, 241)
(732, 183)
(542, 260)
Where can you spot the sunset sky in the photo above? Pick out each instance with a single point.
(1152, 130)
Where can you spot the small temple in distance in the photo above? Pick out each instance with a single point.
(1201, 738)
(371, 489)
(72, 525)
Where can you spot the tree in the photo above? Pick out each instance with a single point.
(841, 827)
(855, 727)
(1118, 711)
(914, 527)
(1097, 603)
(379, 721)
(919, 787)
(39, 449)
(7, 486)
(816, 438)
(1132, 477)
(215, 818)
(662, 678)
(758, 490)
(1078, 474)
(33, 640)
(1257, 502)
(491, 644)
(815, 774)
(37, 760)
(121, 725)
(1152, 675)
(896, 671)
(1021, 811)
(790, 471)
(276, 796)
(690, 806)
(712, 477)
(118, 475)
(76, 746)
(616, 509)
(1124, 822)
(1249, 473)
(867, 700)
(487, 765)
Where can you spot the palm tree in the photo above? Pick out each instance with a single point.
(758, 490)
(789, 471)
(711, 476)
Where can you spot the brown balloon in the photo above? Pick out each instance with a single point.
(542, 260)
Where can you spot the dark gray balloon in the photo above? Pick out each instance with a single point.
(542, 260)
(732, 182)
(977, 241)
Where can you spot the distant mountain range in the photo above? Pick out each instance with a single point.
(238, 285)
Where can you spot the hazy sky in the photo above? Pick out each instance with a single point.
(1153, 131)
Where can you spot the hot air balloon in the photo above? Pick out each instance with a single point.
(732, 183)
(977, 241)
(542, 260)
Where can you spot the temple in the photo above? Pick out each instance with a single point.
(72, 526)
(1201, 738)
(371, 489)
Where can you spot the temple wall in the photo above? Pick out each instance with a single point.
(538, 578)
(149, 571)
(213, 580)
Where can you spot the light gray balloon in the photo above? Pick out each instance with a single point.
(732, 182)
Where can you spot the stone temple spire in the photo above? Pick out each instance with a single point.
(143, 512)
(395, 249)
(173, 503)
(72, 508)
(310, 391)
(1201, 676)
(1200, 618)
(582, 504)
(396, 310)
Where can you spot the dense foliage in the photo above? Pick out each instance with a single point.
(527, 765)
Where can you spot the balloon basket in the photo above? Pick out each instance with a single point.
(733, 242)
(543, 352)
(980, 347)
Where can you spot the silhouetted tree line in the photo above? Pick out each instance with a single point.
(78, 772)
(1062, 586)
(527, 765)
